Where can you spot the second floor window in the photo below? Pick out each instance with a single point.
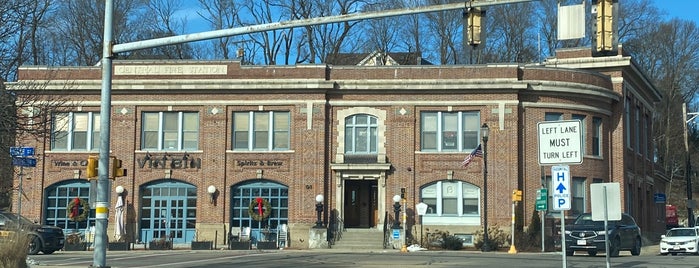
(263, 131)
(75, 131)
(361, 134)
(449, 131)
(171, 131)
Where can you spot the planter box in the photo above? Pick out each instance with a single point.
(75, 247)
(113, 246)
(159, 245)
(202, 245)
(267, 245)
(239, 245)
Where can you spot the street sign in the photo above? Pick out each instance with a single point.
(421, 208)
(659, 198)
(541, 196)
(605, 196)
(560, 142)
(21, 151)
(24, 162)
(560, 185)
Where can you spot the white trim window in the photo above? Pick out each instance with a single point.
(261, 131)
(449, 131)
(452, 202)
(75, 131)
(597, 136)
(170, 131)
(583, 130)
(361, 134)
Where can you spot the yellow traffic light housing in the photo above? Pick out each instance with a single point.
(517, 195)
(91, 168)
(117, 170)
(475, 21)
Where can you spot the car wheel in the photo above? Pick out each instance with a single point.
(47, 251)
(614, 247)
(570, 253)
(636, 250)
(34, 245)
(592, 252)
(674, 254)
(664, 254)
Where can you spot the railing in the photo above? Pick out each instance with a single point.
(387, 223)
(335, 228)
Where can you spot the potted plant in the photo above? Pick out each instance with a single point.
(201, 245)
(75, 242)
(160, 244)
(121, 244)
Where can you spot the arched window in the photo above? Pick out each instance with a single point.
(360, 134)
(168, 210)
(275, 194)
(58, 196)
(451, 202)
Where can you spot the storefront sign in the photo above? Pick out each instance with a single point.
(259, 163)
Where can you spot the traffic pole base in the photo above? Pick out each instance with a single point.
(512, 250)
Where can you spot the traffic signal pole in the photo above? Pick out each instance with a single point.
(102, 203)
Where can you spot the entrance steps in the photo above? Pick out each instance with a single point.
(360, 239)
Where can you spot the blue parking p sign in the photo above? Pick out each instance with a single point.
(560, 187)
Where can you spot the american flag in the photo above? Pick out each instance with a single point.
(478, 152)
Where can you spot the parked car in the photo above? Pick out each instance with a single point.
(42, 238)
(588, 235)
(680, 240)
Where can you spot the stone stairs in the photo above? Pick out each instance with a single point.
(364, 239)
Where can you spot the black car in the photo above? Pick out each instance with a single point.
(43, 238)
(588, 235)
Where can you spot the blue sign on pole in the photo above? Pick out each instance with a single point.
(24, 162)
(21, 151)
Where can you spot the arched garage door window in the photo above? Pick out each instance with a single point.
(276, 194)
(58, 196)
(169, 211)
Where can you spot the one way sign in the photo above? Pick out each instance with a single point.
(560, 185)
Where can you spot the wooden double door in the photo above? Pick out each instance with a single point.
(360, 203)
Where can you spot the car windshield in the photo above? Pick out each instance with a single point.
(586, 219)
(21, 220)
(682, 232)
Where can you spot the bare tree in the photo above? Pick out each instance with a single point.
(26, 110)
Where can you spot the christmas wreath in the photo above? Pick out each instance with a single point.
(74, 212)
(259, 209)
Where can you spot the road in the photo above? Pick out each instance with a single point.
(333, 258)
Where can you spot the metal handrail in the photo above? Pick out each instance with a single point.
(335, 228)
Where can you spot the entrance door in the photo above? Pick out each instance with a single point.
(360, 203)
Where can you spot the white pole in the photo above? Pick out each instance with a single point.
(563, 237)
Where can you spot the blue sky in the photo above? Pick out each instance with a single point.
(684, 9)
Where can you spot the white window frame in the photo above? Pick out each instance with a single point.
(372, 136)
(460, 131)
(272, 131)
(583, 130)
(597, 133)
(180, 143)
(92, 135)
(460, 218)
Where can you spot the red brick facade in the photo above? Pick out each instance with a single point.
(511, 99)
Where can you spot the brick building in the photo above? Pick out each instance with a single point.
(268, 139)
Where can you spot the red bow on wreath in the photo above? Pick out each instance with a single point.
(259, 205)
(75, 210)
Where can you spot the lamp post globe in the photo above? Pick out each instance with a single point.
(319, 210)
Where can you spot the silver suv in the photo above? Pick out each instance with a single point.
(588, 235)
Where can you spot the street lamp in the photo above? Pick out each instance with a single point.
(212, 193)
(319, 209)
(396, 209)
(484, 134)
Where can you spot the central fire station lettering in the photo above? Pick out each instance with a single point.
(173, 164)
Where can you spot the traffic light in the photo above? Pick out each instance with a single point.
(474, 21)
(91, 168)
(117, 170)
(517, 195)
(604, 32)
